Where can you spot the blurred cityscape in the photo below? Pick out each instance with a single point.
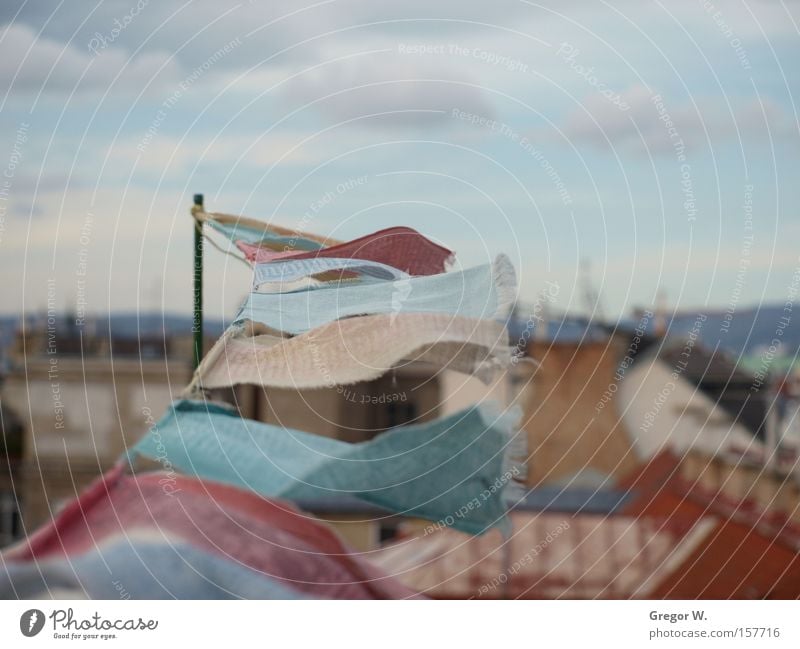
(663, 448)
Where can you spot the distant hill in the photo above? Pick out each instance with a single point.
(126, 325)
(133, 325)
(749, 332)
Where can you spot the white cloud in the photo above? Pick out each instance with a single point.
(700, 123)
(33, 64)
(167, 154)
(410, 91)
(751, 20)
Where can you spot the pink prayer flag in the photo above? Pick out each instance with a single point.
(401, 247)
(267, 535)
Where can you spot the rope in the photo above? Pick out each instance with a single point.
(201, 217)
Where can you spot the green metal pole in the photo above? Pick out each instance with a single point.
(197, 319)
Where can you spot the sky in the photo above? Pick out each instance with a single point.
(639, 152)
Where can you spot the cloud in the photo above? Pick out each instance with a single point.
(749, 20)
(644, 126)
(411, 88)
(165, 154)
(400, 91)
(28, 63)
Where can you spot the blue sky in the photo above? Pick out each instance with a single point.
(518, 127)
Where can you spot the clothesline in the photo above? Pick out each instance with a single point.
(257, 225)
(228, 224)
(321, 313)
